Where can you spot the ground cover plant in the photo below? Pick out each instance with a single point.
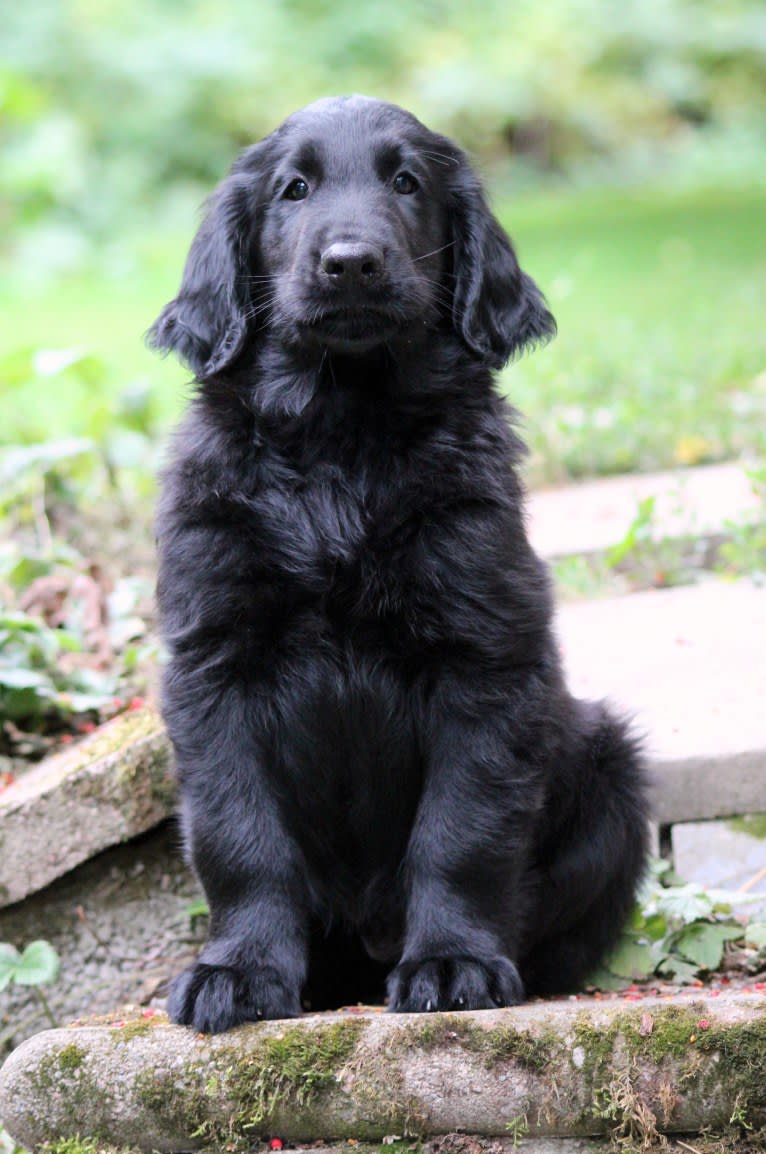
(75, 602)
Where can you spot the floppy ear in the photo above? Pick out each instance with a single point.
(206, 324)
(497, 309)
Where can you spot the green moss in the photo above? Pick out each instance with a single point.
(278, 1071)
(673, 1028)
(75, 1145)
(71, 1057)
(78, 1145)
(496, 1045)
(290, 1069)
(135, 1028)
(596, 1044)
(67, 1074)
(175, 1101)
(742, 1050)
(753, 824)
(505, 1044)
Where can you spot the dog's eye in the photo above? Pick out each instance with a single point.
(296, 190)
(405, 183)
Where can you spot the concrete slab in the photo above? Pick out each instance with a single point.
(592, 516)
(690, 665)
(723, 854)
(103, 791)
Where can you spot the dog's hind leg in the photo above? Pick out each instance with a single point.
(587, 870)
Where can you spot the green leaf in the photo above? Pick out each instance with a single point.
(703, 942)
(655, 927)
(631, 959)
(602, 979)
(24, 679)
(675, 967)
(23, 704)
(198, 909)
(684, 903)
(38, 964)
(9, 957)
(755, 935)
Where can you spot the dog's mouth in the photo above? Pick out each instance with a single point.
(352, 328)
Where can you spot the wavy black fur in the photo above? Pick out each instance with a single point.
(382, 772)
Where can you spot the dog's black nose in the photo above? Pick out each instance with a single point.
(350, 264)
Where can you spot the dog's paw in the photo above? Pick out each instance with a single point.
(212, 999)
(454, 983)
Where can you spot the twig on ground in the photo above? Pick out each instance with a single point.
(757, 877)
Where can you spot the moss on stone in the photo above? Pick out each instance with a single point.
(505, 1044)
(289, 1069)
(78, 1145)
(71, 1057)
(596, 1044)
(134, 1028)
(279, 1071)
(673, 1031)
(75, 1145)
(175, 1100)
(742, 1050)
(497, 1045)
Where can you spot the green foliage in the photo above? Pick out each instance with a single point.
(36, 965)
(71, 639)
(116, 420)
(649, 369)
(677, 932)
(755, 935)
(107, 108)
(33, 683)
(645, 356)
(517, 1128)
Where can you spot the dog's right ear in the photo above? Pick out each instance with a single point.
(206, 324)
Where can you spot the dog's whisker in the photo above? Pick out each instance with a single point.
(433, 252)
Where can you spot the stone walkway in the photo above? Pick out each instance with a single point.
(690, 665)
(592, 516)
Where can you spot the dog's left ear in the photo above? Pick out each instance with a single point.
(497, 309)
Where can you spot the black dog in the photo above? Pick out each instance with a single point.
(382, 771)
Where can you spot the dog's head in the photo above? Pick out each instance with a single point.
(350, 226)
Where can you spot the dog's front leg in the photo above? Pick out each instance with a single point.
(254, 964)
(466, 872)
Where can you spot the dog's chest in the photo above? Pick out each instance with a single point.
(336, 527)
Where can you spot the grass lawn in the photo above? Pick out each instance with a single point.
(660, 359)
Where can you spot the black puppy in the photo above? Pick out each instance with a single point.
(381, 769)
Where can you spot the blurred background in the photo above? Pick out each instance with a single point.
(625, 149)
(624, 145)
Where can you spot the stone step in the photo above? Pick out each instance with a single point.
(689, 665)
(593, 516)
(108, 788)
(557, 1069)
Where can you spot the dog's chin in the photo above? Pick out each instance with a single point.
(351, 332)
